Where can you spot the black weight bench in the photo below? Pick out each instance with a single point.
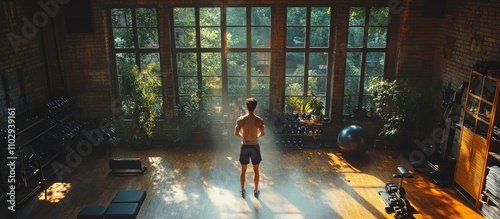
(126, 166)
(92, 212)
(130, 196)
(125, 205)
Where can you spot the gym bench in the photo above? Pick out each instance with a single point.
(125, 205)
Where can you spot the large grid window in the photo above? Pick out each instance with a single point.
(365, 57)
(225, 52)
(135, 37)
(308, 51)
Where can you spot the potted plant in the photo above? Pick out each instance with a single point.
(139, 108)
(315, 106)
(398, 104)
(194, 115)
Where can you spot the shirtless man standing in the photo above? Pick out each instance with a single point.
(249, 128)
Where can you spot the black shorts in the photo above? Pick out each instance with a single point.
(248, 152)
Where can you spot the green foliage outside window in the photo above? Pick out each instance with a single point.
(356, 84)
(141, 104)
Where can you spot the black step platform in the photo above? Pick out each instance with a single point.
(126, 166)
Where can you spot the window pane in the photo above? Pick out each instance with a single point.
(184, 17)
(317, 85)
(320, 37)
(123, 37)
(351, 93)
(148, 37)
(211, 64)
(295, 36)
(296, 16)
(186, 64)
(236, 37)
(261, 16)
(187, 84)
(185, 37)
(121, 17)
(237, 105)
(212, 85)
(377, 37)
(261, 37)
(237, 85)
(124, 64)
(147, 58)
(367, 102)
(318, 63)
(146, 17)
(294, 104)
(351, 86)
(357, 16)
(209, 16)
(159, 105)
(375, 63)
(353, 63)
(214, 103)
(379, 16)
(294, 86)
(210, 37)
(320, 16)
(260, 86)
(237, 63)
(263, 106)
(261, 63)
(236, 16)
(355, 38)
(295, 63)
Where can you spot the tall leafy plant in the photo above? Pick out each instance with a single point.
(141, 106)
(397, 103)
(194, 113)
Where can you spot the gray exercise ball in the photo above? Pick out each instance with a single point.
(353, 140)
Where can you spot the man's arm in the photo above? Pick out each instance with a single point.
(262, 129)
(237, 128)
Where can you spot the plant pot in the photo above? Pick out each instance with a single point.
(316, 118)
(197, 137)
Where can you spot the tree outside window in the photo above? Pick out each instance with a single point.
(365, 57)
(135, 36)
(308, 54)
(225, 52)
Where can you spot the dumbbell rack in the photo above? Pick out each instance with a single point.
(294, 132)
(36, 148)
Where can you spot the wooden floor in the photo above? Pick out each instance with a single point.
(187, 182)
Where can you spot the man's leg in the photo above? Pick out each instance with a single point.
(243, 176)
(256, 177)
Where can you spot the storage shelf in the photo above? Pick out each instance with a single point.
(477, 137)
(492, 198)
(494, 155)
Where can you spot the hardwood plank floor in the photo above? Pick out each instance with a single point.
(204, 183)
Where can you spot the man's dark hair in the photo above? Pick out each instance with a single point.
(251, 104)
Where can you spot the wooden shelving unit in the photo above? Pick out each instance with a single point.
(479, 145)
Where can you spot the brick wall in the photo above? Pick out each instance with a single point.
(26, 56)
(464, 20)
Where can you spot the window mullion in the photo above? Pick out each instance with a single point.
(224, 68)
(306, 52)
(248, 52)
(136, 38)
(198, 46)
(363, 59)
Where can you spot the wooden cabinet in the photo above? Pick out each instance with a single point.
(478, 139)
